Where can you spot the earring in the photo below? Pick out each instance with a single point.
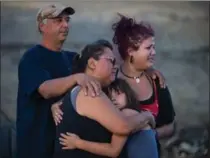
(131, 59)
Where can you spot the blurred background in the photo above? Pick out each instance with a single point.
(182, 45)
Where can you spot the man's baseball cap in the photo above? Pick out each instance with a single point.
(53, 11)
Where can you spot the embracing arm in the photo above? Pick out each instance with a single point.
(141, 120)
(103, 111)
(56, 87)
(112, 149)
(34, 79)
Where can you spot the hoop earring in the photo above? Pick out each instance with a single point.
(131, 59)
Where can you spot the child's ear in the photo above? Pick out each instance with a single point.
(92, 63)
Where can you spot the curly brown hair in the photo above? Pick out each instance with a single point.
(129, 34)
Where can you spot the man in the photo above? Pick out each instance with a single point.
(43, 74)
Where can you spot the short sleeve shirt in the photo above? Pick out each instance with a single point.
(35, 126)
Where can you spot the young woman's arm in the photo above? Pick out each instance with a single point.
(102, 110)
(166, 117)
(166, 130)
(113, 149)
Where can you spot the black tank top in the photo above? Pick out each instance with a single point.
(84, 127)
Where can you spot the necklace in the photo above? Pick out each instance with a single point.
(136, 78)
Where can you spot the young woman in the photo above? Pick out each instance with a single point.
(136, 45)
(140, 144)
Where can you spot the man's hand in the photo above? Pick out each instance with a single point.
(56, 112)
(157, 74)
(89, 84)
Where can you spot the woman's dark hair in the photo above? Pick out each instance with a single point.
(120, 85)
(93, 50)
(129, 34)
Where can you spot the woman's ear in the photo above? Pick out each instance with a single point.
(92, 63)
(130, 51)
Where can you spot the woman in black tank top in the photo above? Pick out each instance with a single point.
(93, 118)
(83, 126)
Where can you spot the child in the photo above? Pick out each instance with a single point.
(141, 144)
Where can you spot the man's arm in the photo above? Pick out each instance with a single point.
(33, 80)
(56, 87)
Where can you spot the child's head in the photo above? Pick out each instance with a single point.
(122, 95)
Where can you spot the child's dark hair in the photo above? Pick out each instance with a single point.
(120, 85)
(93, 50)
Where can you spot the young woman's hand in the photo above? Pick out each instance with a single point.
(56, 112)
(69, 141)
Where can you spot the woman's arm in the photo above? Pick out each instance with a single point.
(113, 149)
(129, 113)
(102, 110)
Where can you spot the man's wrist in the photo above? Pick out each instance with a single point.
(70, 81)
(73, 78)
